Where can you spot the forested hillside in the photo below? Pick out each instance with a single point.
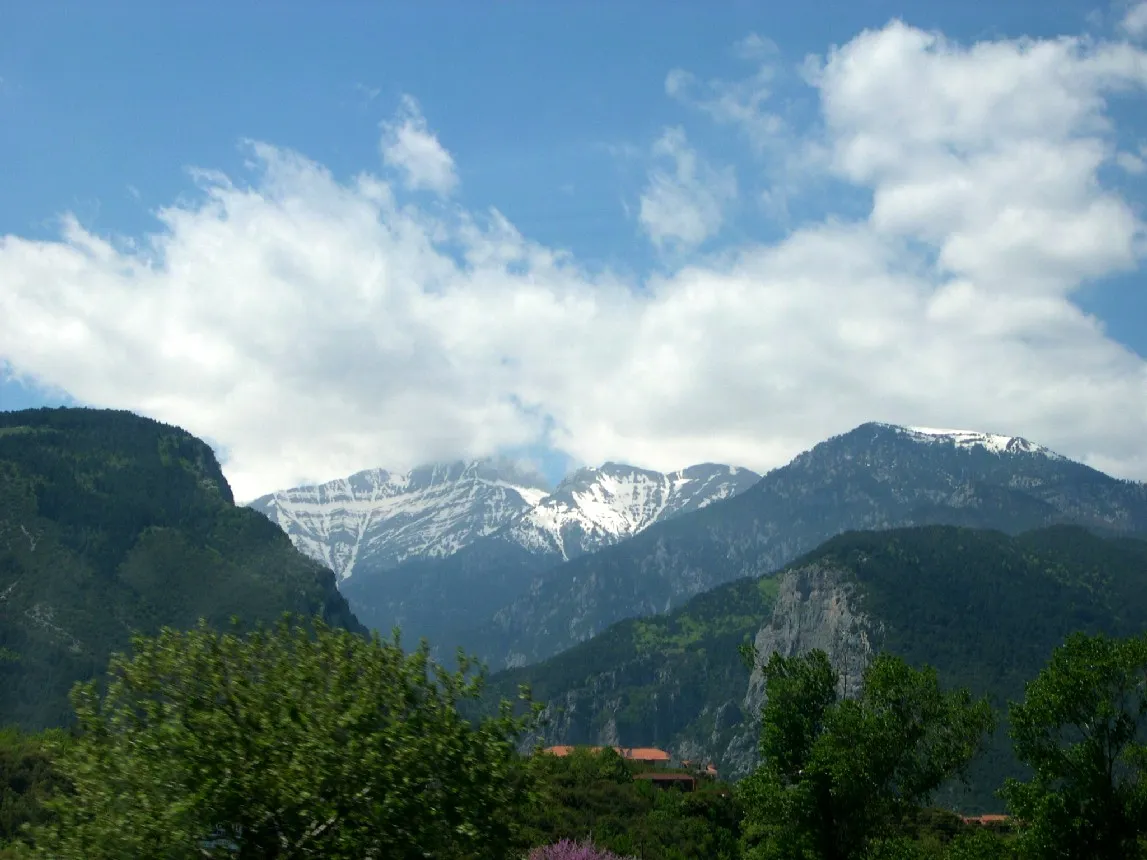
(984, 608)
(110, 524)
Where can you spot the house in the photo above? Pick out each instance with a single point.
(645, 755)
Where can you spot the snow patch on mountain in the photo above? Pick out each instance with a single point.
(375, 520)
(993, 442)
(384, 518)
(598, 507)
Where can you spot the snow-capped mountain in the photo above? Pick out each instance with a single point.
(597, 507)
(375, 520)
(378, 519)
(590, 510)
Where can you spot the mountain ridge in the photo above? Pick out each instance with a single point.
(876, 476)
(593, 507)
(380, 519)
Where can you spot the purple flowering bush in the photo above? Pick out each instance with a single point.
(567, 850)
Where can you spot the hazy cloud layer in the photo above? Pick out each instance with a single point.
(313, 328)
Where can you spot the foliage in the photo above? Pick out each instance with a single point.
(594, 796)
(287, 742)
(567, 850)
(27, 779)
(1082, 727)
(838, 774)
(666, 677)
(112, 524)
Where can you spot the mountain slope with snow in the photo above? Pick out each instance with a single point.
(378, 519)
(992, 442)
(598, 507)
(590, 510)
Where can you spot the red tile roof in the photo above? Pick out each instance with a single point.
(646, 754)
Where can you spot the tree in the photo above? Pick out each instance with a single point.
(289, 742)
(1081, 728)
(27, 778)
(838, 775)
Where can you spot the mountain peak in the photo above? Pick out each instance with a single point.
(994, 442)
(595, 507)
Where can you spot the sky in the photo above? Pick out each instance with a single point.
(349, 235)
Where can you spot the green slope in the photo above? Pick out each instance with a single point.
(984, 608)
(111, 523)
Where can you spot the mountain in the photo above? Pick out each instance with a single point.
(110, 524)
(598, 507)
(986, 609)
(877, 476)
(590, 509)
(375, 520)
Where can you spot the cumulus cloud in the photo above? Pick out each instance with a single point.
(684, 206)
(412, 149)
(313, 327)
(988, 153)
(1134, 23)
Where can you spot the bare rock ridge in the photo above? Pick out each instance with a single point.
(817, 607)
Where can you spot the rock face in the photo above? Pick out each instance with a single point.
(817, 608)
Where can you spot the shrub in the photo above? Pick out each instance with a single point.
(567, 850)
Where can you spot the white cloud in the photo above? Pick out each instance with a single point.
(987, 153)
(788, 161)
(1132, 163)
(411, 148)
(1134, 23)
(683, 207)
(314, 328)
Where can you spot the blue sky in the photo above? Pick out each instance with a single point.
(670, 155)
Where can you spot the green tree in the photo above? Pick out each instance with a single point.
(838, 775)
(1081, 729)
(290, 742)
(27, 779)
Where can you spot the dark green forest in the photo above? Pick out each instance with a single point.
(112, 524)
